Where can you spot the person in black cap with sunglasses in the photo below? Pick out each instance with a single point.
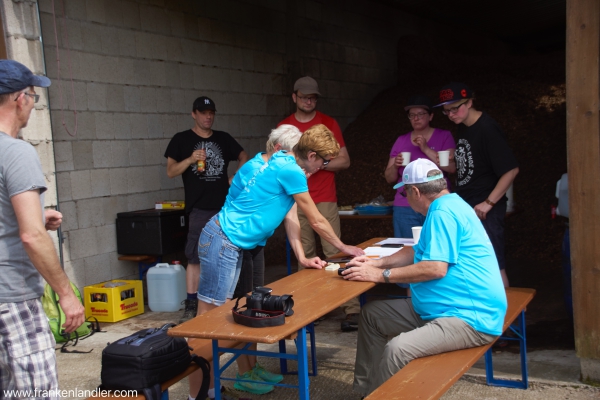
(27, 357)
(205, 185)
(485, 164)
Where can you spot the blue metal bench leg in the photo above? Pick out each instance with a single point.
(519, 330)
(313, 353)
(165, 395)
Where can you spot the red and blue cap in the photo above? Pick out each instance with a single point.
(453, 92)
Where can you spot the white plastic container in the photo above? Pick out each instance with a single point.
(166, 287)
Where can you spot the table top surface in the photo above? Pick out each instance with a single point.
(316, 292)
(357, 216)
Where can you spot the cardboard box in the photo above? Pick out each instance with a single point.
(112, 304)
(170, 205)
(151, 232)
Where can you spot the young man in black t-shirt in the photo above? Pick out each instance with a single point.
(205, 189)
(485, 165)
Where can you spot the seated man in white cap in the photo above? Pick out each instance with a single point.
(458, 299)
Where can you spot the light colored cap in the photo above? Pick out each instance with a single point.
(307, 85)
(416, 172)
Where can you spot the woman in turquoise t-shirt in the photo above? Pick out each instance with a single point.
(250, 218)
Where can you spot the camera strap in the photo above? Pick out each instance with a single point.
(256, 318)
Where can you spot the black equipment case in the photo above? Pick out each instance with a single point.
(151, 232)
(146, 359)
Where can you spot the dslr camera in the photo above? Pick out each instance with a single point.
(261, 299)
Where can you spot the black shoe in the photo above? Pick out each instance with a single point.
(191, 308)
(350, 323)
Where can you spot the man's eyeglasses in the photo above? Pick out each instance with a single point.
(420, 115)
(453, 110)
(35, 97)
(308, 99)
(404, 191)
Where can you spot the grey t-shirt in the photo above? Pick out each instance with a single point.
(20, 171)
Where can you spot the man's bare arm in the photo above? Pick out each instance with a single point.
(339, 163)
(40, 249)
(175, 168)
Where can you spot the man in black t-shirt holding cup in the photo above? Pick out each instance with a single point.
(205, 186)
(485, 165)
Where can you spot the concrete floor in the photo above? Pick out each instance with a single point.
(552, 374)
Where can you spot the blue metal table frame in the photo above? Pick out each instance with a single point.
(301, 357)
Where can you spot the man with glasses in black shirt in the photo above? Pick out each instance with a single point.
(485, 164)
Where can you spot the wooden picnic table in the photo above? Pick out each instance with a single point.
(315, 293)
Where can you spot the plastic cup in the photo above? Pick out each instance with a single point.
(416, 233)
(405, 158)
(444, 158)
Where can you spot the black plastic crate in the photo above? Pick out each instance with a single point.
(152, 232)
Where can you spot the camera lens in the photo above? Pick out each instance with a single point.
(279, 303)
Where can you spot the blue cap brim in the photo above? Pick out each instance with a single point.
(398, 185)
(40, 81)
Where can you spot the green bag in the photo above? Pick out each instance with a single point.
(56, 318)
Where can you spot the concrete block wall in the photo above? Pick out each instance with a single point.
(125, 74)
(23, 43)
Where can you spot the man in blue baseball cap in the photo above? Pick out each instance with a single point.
(27, 254)
(458, 300)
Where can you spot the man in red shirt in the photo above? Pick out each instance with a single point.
(321, 185)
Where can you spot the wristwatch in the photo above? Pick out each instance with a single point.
(386, 275)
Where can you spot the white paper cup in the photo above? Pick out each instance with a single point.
(444, 158)
(405, 157)
(416, 233)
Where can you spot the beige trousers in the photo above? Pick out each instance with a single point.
(330, 211)
(391, 334)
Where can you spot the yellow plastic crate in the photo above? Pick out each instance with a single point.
(112, 304)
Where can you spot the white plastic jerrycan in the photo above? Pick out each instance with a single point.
(166, 287)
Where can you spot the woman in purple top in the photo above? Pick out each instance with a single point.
(423, 142)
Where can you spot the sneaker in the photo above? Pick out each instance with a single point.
(191, 308)
(252, 387)
(266, 375)
(350, 323)
(228, 394)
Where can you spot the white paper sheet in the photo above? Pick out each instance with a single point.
(381, 251)
(404, 241)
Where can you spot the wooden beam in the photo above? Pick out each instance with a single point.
(3, 53)
(583, 152)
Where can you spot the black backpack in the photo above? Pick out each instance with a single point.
(146, 359)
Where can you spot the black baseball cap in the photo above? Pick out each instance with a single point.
(453, 92)
(14, 77)
(204, 103)
(419, 101)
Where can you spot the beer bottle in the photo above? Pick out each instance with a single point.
(200, 164)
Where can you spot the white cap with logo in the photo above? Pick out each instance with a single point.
(416, 172)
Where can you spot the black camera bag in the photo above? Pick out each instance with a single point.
(146, 359)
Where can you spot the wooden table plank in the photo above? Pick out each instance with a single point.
(315, 293)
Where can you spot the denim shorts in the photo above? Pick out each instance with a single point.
(221, 263)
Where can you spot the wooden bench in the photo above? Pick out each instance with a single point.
(201, 347)
(430, 377)
(145, 262)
